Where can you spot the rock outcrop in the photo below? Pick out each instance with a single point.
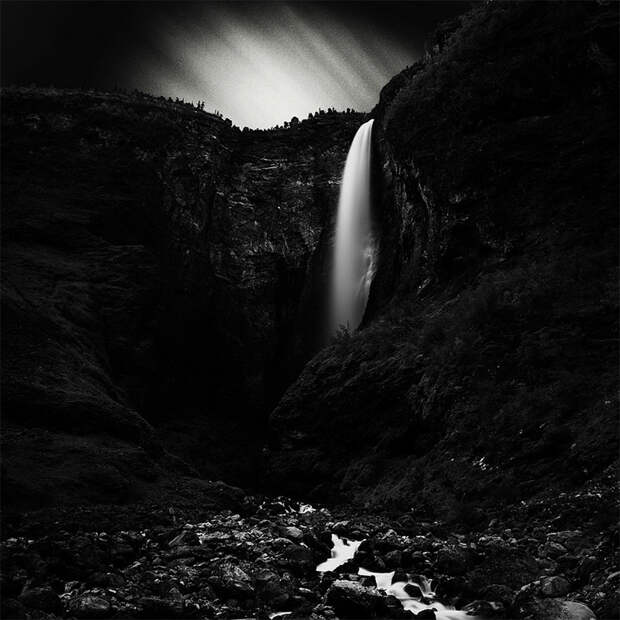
(485, 371)
(157, 265)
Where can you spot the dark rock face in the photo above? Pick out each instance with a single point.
(485, 371)
(156, 263)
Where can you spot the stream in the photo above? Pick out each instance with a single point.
(415, 595)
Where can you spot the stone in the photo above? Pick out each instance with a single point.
(554, 586)
(231, 581)
(394, 559)
(485, 609)
(154, 607)
(573, 610)
(452, 561)
(271, 588)
(395, 610)
(294, 533)
(413, 590)
(296, 557)
(399, 575)
(585, 567)
(185, 538)
(350, 599)
(89, 606)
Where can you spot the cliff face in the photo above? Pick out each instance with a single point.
(486, 368)
(164, 281)
(156, 262)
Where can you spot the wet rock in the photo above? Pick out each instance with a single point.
(425, 614)
(399, 575)
(395, 610)
(42, 598)
(350, 599)
(485, 609)
(413, 590)
(367, 580)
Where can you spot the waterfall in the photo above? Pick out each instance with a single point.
(354, 251)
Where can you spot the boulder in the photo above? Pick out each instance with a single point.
(554, 586)
(231, 581)
(350, 599)
(89, 606)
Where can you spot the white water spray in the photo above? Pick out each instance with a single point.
(354, 252)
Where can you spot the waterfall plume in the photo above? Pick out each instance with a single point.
(354, 250)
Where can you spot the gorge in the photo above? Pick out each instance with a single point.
(179, 439)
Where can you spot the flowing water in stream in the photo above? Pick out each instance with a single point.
(405, 591)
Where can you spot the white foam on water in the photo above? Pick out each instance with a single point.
(412, 603)
(342, 551)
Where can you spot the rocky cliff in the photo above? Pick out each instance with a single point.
(157, 264)
(485, 371)
(164, 282)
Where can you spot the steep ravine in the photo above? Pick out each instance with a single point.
(164, 280)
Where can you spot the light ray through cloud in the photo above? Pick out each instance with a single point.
(262, 67)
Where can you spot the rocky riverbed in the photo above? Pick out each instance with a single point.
(547, 558)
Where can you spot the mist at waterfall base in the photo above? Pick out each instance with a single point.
(354, 248)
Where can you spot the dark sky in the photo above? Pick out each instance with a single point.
(259, 63)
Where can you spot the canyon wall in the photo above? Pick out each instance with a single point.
(158, 263)
(165, 277)
(486, 368)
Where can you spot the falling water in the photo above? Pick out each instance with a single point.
(354, 252)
